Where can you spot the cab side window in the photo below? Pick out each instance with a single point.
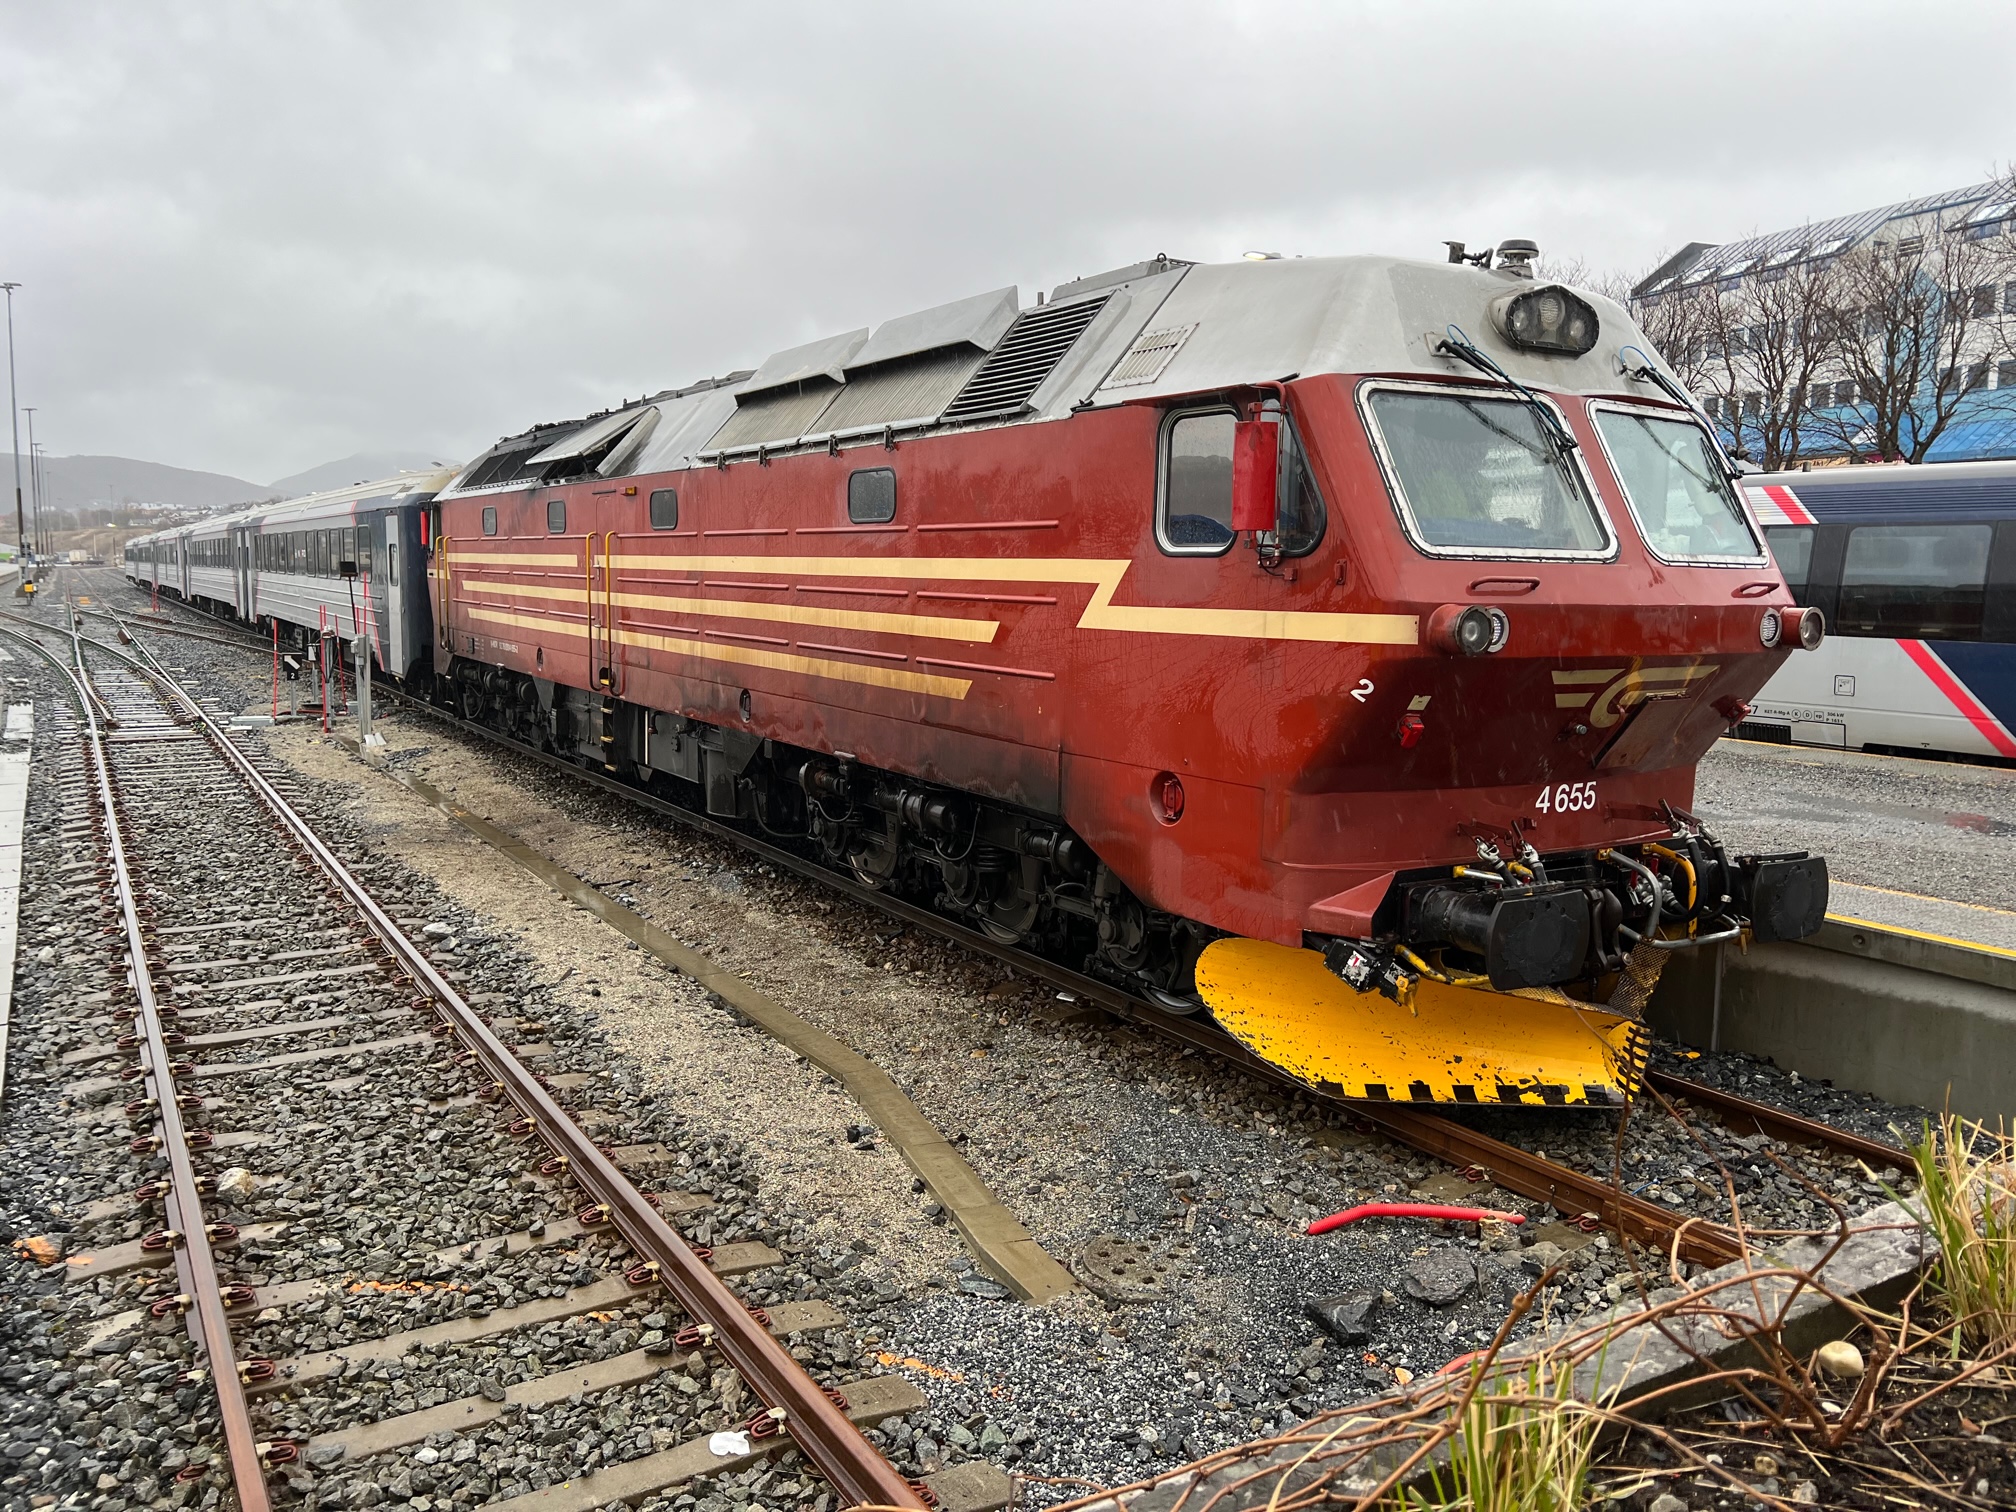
(1195, 517)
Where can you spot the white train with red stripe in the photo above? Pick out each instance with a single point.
(1915, 569)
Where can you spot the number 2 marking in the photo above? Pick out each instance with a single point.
(1567, 798)
(1364, 689)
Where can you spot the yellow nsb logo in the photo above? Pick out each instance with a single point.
(1609, 693)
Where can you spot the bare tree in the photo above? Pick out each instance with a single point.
(1771, 338)
(1681, 327)
(1919, 326)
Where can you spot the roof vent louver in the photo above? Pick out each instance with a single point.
(1029, 352)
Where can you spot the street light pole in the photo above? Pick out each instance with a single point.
(14, 417)
(38, 478)
(34, 486)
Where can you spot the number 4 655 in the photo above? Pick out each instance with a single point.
(1568, 798)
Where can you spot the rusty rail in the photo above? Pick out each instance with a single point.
(1568, 1191)
(1735, 1112)
(795, 1403)
(187, 1231)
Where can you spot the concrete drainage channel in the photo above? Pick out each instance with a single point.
(995, 1236)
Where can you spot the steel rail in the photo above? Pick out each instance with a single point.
(1762, 1118)
(1569, 1192)
(187, 1229)
(818, 1424)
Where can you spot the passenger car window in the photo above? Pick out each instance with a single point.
(1196, 513)
(1921, 582)
(556, 516)
(664, 509)
(490, 519)
(871, 496)
(1792, 548)
(1675, 485)
(1474, 475)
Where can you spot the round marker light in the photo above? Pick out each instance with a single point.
(1771, 628)
(1812, 629)
(1468, 629)
(1168, 792)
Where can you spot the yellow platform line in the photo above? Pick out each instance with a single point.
(1922, 934)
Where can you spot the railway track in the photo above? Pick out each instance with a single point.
(205, 869)
(1575, 1194)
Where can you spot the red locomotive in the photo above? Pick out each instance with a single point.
(1327, 644)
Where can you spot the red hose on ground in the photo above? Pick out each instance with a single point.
(1409, 1210)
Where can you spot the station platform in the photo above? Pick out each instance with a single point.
(1972, 926)
(1910, 844)
(1908, 991)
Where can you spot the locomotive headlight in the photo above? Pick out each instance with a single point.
(1548, 319)
(1812, 629)
(1771, 628)
(1468, 629)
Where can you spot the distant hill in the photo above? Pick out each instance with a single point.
(365, 467)
(80, 482)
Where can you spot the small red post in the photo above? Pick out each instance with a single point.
(276, 670)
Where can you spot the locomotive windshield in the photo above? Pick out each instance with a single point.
(1477, 476)
(1675, 485)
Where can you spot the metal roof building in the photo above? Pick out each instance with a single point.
(1985, 426)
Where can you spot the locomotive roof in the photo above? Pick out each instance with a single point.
(1157, 329)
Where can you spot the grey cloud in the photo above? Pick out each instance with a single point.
(253, 238)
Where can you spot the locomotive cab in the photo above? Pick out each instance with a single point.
(1608, 606)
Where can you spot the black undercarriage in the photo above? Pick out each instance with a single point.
(1019, 877)
(1510, 920)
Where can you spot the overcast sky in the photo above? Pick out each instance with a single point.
(256, 237)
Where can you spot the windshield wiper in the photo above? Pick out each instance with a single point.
(1672, 456)
(1646, 373)
(1456, 344)
(1539, 454)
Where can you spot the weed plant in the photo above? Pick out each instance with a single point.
(1966, 1199)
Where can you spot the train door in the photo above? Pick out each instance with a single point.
(384, 625)
(242, 544)
(407, 572)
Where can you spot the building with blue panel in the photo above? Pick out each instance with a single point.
(1925, 289)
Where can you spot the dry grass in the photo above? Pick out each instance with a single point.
(1967, 1200)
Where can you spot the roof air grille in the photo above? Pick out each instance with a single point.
(1029, 352)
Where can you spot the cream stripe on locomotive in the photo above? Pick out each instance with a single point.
(1101, 613)
(938, 627)
(742, 656)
